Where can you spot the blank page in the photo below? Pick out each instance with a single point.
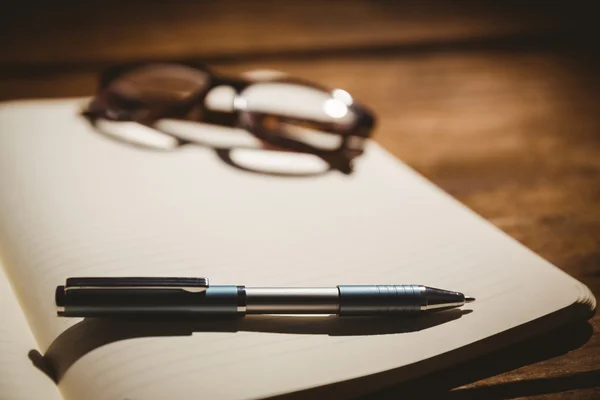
(76, 203)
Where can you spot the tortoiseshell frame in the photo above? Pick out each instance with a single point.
(338, 159)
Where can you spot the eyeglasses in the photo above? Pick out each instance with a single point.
(283, 114)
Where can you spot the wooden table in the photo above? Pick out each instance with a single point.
(497, 104)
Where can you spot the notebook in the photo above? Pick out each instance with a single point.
(76, 203)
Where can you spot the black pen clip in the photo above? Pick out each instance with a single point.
(194, 285)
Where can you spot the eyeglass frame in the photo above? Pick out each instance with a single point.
(338, 159)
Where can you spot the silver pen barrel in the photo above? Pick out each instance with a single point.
(292, 300)
(351, 300)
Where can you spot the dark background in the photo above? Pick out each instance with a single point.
(495, 102)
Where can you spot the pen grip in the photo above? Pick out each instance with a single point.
(381, 299)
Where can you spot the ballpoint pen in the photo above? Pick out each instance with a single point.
(90, 297)
(95, 297)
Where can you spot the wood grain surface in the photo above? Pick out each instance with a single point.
(495, 102)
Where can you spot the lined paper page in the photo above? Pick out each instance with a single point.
(19, 378)
(80, 204)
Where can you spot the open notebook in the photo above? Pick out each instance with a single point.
(74, 203)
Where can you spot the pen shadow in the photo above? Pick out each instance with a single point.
(92, 333)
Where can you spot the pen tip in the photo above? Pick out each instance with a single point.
(469, 299)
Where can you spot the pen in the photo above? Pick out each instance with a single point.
(106, 297)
